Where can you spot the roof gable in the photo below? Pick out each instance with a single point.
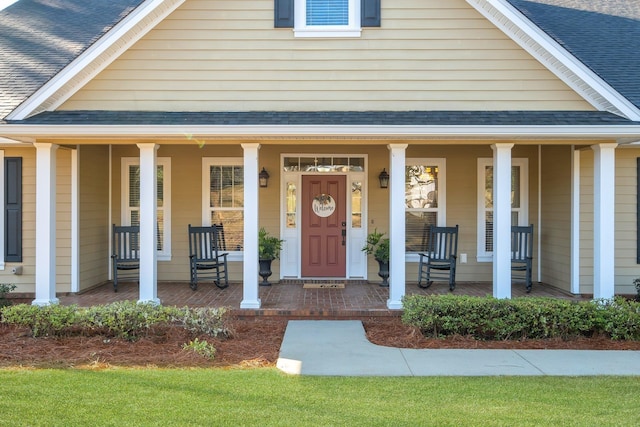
(38, 38)
(602, 34)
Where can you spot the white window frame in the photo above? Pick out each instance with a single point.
(523, 211)
(207, 162)
(441, 210)
(165, 162)
(301, 29)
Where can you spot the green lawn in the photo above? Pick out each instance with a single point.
(266, 397)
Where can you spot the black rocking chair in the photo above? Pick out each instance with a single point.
(126, 253)
(205, 259)
(522, 252)
(440, 256)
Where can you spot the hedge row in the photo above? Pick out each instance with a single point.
(125, 319)
(489, 318)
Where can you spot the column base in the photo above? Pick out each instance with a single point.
(250, 304)
(394, 305)
(45, 302)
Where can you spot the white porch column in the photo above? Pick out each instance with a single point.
(148, 223)
(502, 220)
(397, 162)
(75, 221)
(45, 224)
(604, 220)
(250, 265)
(575, 220)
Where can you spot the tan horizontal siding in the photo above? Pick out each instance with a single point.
(428, 55)
(26, 281)
(626, 267)
(94, 223)
(556, 217)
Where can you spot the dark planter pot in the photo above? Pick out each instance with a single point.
(383, 272)
(265, 271)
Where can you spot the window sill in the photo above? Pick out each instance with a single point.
(298, 33)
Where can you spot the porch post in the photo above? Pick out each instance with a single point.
(148, 223)
(502, 220)
(575, 220)
(45, 224)
(251, 220)
(604, 220)
(397, 162)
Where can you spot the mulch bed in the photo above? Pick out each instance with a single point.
(253, 343)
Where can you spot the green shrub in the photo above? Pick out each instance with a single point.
(519, 318)
(127, 319)
(46, 320)
(203, 348)
(203, 320)
(5, 288)
(619, 318)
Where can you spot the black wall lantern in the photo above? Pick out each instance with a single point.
(263, 177)
(384, 178)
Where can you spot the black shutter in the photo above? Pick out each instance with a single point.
(370, 13)
(13, 209)
(283, 13)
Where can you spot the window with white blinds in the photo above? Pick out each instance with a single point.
(425, 200)
(131, 200)
(327, 12)
(223, 199)
(519, 202)
(327, 18)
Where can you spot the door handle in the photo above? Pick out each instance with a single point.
(344, 234)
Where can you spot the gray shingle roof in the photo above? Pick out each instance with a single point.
(603, 34)
(38, 38)
(398, 118)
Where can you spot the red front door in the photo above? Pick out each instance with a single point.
(324, 226)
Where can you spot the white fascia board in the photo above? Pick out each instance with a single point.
(96, 58)
(555, 58)
(193, 132)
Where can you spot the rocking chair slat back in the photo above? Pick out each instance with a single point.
(205, 258)
(126, 253)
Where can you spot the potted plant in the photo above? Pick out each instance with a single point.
(269, 248)
(378, 246)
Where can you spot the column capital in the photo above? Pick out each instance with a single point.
(147, 145)
(397, 146)
(502, 145)
(604, 145)
(250, 146)
(44, 145)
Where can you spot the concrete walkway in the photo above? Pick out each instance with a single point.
(340, 348)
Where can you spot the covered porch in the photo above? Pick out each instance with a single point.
(291, 298)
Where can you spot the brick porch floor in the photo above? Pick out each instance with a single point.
(289, 298)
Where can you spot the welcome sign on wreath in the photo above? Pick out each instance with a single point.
(323, 205)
